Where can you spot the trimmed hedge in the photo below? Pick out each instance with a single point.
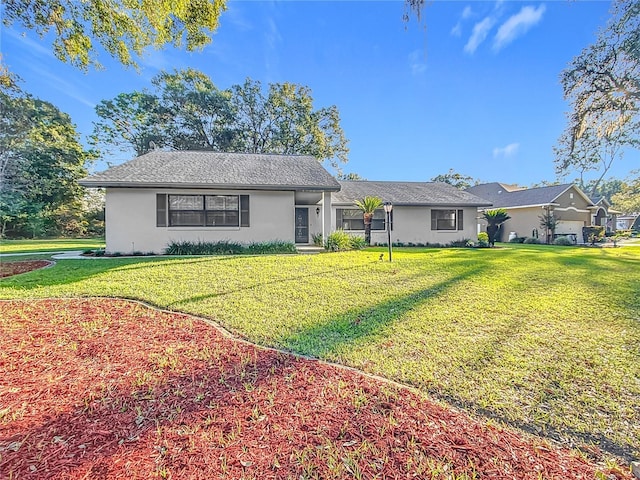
(225, 247)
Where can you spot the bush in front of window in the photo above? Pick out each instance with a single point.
(273, 247)
(226, 247)
(340, 241)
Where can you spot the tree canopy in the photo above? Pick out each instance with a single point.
(456, 179)
(41, 160)
(186, 111)
(627, 200)
(602, 85)
(123, 28)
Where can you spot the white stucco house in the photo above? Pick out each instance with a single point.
(163, 196)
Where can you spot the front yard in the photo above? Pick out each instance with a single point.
(543, 339)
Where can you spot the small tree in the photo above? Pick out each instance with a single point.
(549, 222)
(368, 205)
(494, 219)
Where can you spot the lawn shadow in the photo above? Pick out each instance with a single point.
(326, 337)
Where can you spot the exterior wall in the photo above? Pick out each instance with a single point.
(524, 221)
(412, 224)
(131, 220)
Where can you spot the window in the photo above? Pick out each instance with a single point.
(351, 219)
(446, 220)
(202, 210)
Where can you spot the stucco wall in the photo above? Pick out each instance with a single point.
(131, 220)
(524, 220)
(413, 225)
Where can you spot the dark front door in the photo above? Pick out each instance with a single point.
(302, 225)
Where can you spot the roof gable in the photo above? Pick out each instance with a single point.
(407, 193)
(205, 169)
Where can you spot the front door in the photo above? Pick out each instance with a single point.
(302, 225)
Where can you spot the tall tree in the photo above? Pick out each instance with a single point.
(590, 152)
(603, 86)
(200, 116)
(41, 160)
(628, 199)
(131, 121)
(456, 179)
(121, 27)
(187, 111)
(283, 121)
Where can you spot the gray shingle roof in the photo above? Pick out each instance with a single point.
(213, 169)
(503, 198)
(407, 193)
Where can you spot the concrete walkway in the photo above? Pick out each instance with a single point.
(65, 255)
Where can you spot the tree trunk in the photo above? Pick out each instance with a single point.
(492, 231)
(367, 228)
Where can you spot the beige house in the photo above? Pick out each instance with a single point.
(573, 209)
(162, 197)
(423, 212)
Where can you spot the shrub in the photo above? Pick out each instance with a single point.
(358, 243)
(275, 246)
(459, 243)
(317, 239)
(593, 234)
(531, 240)
(225, 247)
(483, 237)
(518, 239)
(338, 241)
(563, 241)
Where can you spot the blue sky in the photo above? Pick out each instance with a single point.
(474, 87)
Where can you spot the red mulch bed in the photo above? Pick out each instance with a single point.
(110, 389)
(14, 268)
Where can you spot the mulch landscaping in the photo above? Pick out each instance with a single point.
(21, 266)
(107, 389)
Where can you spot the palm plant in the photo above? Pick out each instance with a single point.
(368, 205)
(494, 219)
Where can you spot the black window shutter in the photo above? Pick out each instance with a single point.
(244, 210)
(161, 210)
(391, 220)
(460, 224)
(434, 220)
(338, 218)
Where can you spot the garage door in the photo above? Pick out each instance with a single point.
(566, 227)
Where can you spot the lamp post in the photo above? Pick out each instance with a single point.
(387, 209)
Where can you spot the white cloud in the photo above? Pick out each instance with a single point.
(507, 151)
(417, 62)
(456, 31)
(517, 25)
(479, 34)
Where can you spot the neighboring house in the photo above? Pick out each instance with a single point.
(163, 196)
(627, 222)
(423, 212)
(605, 216)
(573, 209)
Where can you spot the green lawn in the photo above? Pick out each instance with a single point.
(543, 338)
(51, 245)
